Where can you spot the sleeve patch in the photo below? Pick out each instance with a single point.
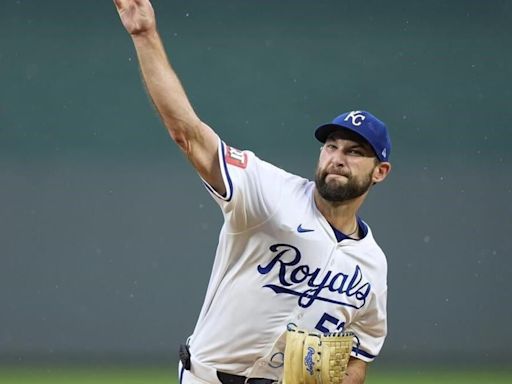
(236, 157)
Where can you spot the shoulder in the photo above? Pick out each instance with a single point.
(246, 159)
(370, 244)
(374, 258)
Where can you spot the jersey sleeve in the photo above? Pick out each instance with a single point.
(370, 328)
(253, 188)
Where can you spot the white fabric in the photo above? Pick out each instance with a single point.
(267, 274)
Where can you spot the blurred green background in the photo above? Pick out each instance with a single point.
(107, 236)
(129, 375)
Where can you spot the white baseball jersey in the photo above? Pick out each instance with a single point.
(278, 262)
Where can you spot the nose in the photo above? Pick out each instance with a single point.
(339, 158)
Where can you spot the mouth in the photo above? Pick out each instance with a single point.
(338, 172)
(335, 176)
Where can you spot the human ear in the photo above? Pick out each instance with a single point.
(381, 171)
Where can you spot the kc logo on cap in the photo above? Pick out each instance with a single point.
(365, 125)
(357, 117)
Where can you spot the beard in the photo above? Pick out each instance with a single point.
(334, 191)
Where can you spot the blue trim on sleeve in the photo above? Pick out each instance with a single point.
(229, 191)
(181, 374)
(359, 351)
(227, 172)
(209, 188)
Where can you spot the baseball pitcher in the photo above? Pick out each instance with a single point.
(298, 288)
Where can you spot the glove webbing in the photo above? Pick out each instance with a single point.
(313, 358)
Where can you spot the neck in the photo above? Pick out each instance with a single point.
(341, 215)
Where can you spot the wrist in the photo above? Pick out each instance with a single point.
(150, 34)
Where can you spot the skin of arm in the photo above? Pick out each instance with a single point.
(356, 371)
(196, 139)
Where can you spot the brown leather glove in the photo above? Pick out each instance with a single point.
(314, 358)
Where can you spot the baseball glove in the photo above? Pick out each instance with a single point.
(314, 358)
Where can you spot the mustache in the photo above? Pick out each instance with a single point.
(340, 172)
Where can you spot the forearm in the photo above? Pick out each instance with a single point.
(356, 372)
(198, 141)
(164, 87)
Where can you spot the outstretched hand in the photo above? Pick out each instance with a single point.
(137, 16)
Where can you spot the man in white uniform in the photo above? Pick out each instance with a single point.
(291, 251)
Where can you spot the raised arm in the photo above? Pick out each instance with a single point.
(197, 140)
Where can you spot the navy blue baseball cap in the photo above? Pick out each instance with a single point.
(365, 125)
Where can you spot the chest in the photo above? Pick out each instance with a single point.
(319, 282)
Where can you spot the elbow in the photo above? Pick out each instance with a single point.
(183, 133)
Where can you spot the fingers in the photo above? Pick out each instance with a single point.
(122, 4)
(119, 4)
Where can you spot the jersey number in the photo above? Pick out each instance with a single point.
(326, 320)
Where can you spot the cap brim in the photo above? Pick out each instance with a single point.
(323, 131)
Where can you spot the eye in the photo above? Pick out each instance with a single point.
(356, 152)
(331, 146)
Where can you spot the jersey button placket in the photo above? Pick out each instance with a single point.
(330, 260)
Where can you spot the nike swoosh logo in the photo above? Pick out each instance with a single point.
(302, 230)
